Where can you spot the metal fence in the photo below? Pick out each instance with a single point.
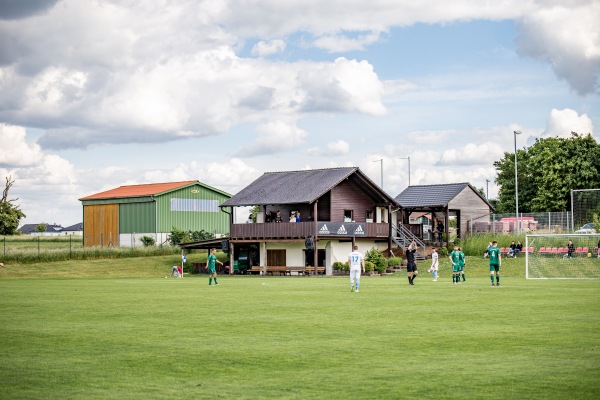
(541, 223)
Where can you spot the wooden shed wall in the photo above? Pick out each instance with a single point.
(101, 225)
(471, 206)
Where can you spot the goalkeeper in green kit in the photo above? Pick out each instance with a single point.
(495, 262)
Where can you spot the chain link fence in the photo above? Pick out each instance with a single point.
(540, 223)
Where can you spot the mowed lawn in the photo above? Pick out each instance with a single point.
(141, 336)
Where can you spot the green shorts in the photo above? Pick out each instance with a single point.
(212, 271)
(494, 267)
(455, 268)
(461, 268)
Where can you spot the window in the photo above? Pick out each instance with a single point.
(194, 205)
(369, 216)
(348, 216)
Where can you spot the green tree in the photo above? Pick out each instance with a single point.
(547, 171)
(10, 214)
(41, 227)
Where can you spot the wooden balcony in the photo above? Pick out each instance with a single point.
(295, 230)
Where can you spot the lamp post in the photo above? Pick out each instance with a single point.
(381, 160)
(487, 191)
(516, 185)
(407, 158)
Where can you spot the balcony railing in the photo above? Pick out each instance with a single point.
(294, 230)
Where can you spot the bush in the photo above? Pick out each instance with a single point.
(369, 266)
(394, 261)
(147, 241)
(178, 236)
(377, 259)
(443, 251)
(338, 266)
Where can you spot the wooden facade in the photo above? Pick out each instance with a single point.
(101, 227)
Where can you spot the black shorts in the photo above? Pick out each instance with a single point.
(411, 267)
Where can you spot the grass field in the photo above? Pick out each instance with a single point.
(115, 330)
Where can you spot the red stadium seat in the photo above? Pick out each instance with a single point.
(579, 250)
(530, 250)
(563, 250)
(503, 250)
(542, 250)
(554, 250)
(586, 250)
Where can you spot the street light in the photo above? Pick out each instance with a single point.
(487, 189)
(407, 158)
(381, 171)
(516, 185)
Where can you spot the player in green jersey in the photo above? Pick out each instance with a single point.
(211, 261)
(455, 260)
(461, 264)
(495, 262)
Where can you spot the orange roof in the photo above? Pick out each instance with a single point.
(137, 190)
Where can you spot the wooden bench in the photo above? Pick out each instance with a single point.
(255, 269)
(298, 270)
(271, 270)
(311, 270)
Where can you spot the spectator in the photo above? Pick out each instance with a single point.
(278, 216)
(570, 250)
(298, 216)
(519, 248)
(250, 219)
(440, 229)
(293, 217)
(512, 249)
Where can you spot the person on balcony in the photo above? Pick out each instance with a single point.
(293, 217)
(278, 216)
(298, 216)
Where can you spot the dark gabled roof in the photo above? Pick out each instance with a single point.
(433, 195)
(27, 229)
(293, 187)
(76, 227)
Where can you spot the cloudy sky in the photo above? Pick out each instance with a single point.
(98, 94)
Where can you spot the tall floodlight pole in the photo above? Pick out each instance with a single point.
(381, 161)
(516, 185)
(487, 189)
(407, 158)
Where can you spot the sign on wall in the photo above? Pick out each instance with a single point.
(341, 229)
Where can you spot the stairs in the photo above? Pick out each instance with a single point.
(403, 237)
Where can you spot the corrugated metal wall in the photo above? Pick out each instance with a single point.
(137, 217)
(213, 220)
(101, 225)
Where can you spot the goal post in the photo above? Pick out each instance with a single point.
(549, 257)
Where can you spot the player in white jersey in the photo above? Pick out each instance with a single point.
(356, 261)
(434, 265)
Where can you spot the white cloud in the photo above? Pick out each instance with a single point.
(14, 150)
(566, 36)
(339, 147)
(562, 122)
(274, 137)
(471, 154)
(341, 43)
(269, 47)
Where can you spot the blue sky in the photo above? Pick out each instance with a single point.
(95, 96)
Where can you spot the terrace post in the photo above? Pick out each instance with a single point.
(389, 229)
(316, 231)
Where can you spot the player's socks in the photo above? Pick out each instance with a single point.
(492, 278)
(410, 280)
(357, 285)
(215, 278)
(463, 276)
(209, 281)
(498, 279)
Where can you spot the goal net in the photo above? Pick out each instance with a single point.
(548, 257)
(585, 205)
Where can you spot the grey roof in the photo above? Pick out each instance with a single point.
(28, 229)
(432, 195)
(293, 187)
(75, 227)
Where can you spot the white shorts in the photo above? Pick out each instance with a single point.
(354, 274)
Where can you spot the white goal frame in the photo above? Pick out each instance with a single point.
(596, 237)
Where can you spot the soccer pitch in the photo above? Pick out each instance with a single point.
(300, 338)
